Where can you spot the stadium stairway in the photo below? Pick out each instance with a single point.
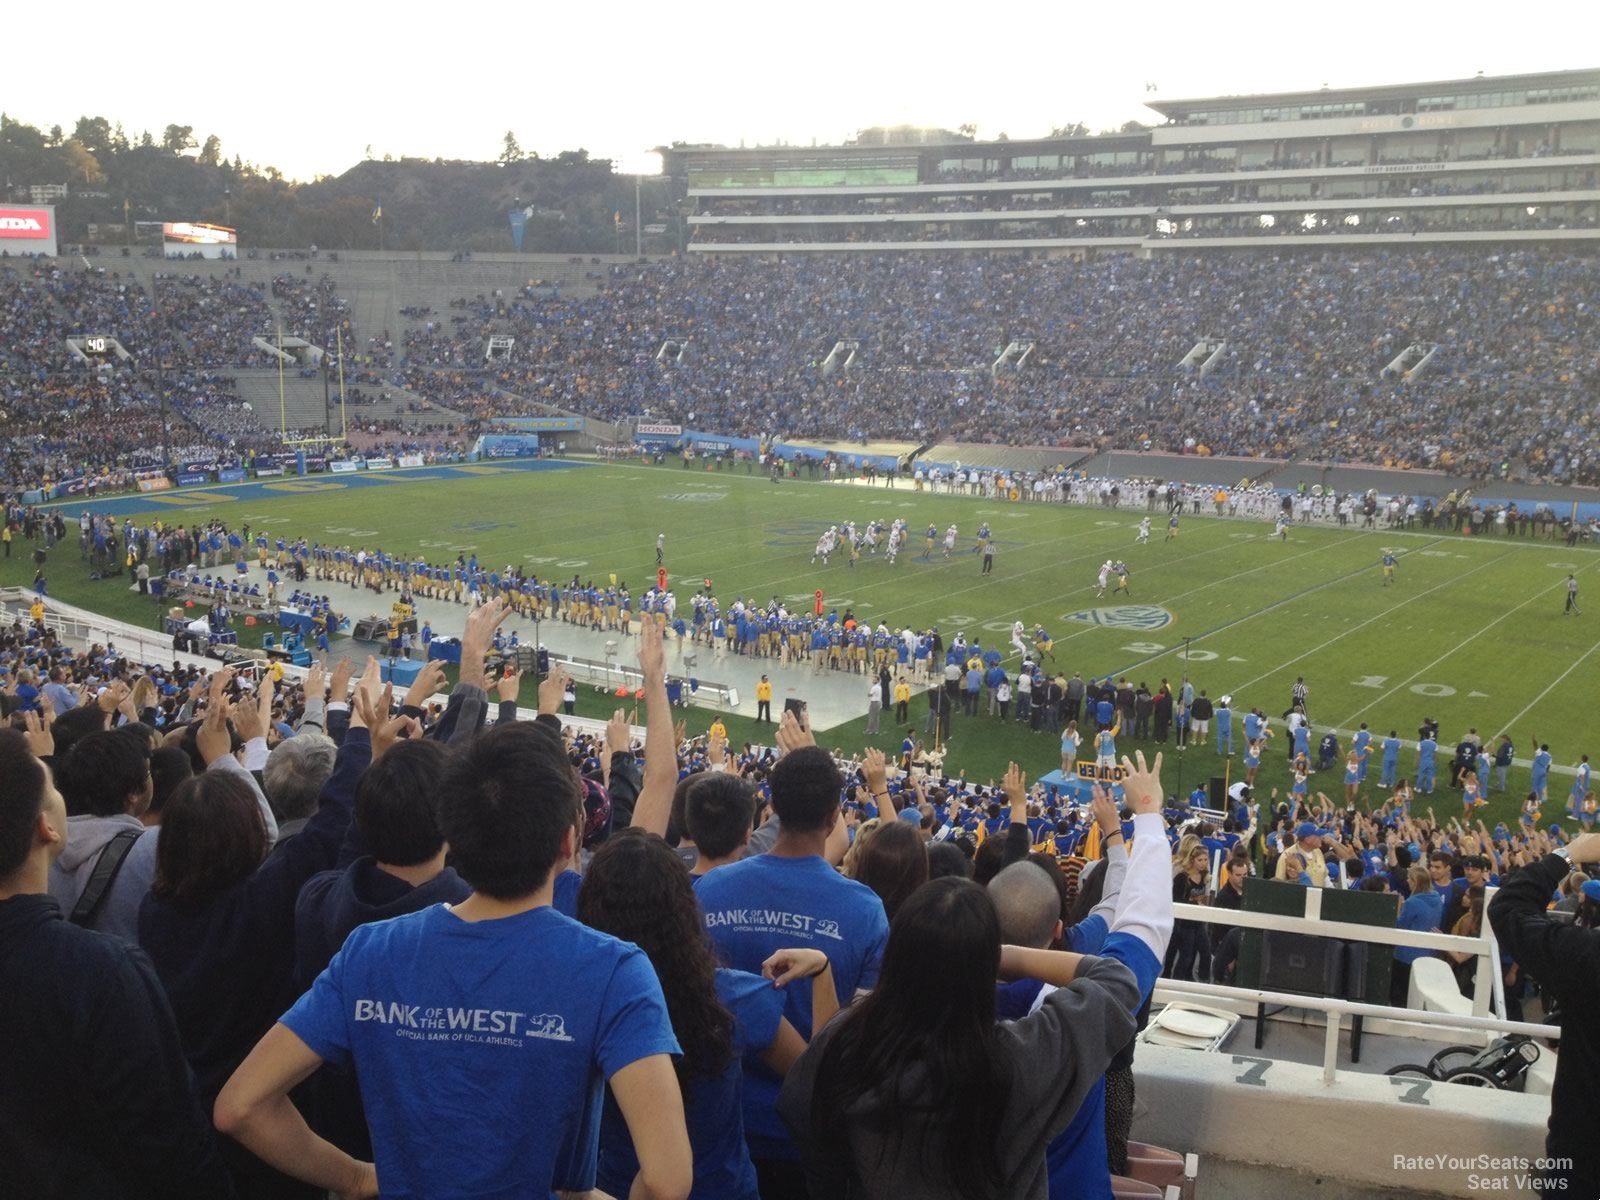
(303, 406)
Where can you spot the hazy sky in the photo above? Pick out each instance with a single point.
(309, 90)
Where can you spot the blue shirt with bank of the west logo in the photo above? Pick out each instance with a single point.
(436, 1013)
(766, 903)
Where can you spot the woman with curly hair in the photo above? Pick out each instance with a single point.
(638, 889)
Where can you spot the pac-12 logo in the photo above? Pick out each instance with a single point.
(1127, 616)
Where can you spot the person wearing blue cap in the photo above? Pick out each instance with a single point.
(1308, 845)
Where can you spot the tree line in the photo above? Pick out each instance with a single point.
(573, 203)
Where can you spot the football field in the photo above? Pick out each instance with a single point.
(1471, 631)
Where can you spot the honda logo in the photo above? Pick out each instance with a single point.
(24, 223)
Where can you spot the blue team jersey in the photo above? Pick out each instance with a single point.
(766, 903)
(431, 1010)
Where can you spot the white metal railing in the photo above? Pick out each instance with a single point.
(1335, 1008)
(1487, 977)
(1483, 947)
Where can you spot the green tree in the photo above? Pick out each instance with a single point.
(211, 152)
(511, 152)
(96, 136)
(178, 138)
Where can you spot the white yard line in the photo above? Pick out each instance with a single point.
(1538, 595)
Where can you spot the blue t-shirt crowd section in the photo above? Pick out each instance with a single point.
(1309, 337)
(262, 939)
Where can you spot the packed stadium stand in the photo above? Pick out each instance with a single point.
(1260, 287)
(1316, 338)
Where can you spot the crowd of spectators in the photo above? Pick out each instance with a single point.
(337, 863)
(1309, 338)
(742, 347)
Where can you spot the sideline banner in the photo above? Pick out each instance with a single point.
(411, 460)
(159, 484)
(344, 466)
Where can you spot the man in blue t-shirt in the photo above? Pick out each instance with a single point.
(499, 996)
(788, 897)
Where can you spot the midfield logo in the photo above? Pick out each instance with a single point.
(1127, 616)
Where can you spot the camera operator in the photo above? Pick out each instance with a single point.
(1565, 959)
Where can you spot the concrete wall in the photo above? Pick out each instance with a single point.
(1251, 1124)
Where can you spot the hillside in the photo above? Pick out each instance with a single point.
(578, 205)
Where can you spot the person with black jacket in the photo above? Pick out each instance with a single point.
(96, 1099)
(1565, 960)
(398, 868)
(219, 920)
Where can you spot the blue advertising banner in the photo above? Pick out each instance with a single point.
(519, 224)
(499, 445)
(190, 478)
(538, 424)
(231, 475)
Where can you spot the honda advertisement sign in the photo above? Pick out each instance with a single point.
(28, 229)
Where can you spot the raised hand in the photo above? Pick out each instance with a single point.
(371, 683)
(1015, 786)
(795, 732)
(552, 688)
(509, 686)
(1141, 784)
(428, 681)
(265, 693)
(1105, 813)
(386, 733)
(212, 739)
(316, 683)
(339, 690)
(652, 653)
(111, 699)
(41, 739)
(876, 770)
(475, 639)
(619, 736)
(247, 720)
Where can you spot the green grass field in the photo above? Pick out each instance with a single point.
(1472, 632)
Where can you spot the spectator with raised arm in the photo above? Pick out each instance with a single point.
(854, 1102)
(219, 920)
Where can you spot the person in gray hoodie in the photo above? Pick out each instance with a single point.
(105, 780)
(858, 1100)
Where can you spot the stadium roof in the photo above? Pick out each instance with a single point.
(1393, 91)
